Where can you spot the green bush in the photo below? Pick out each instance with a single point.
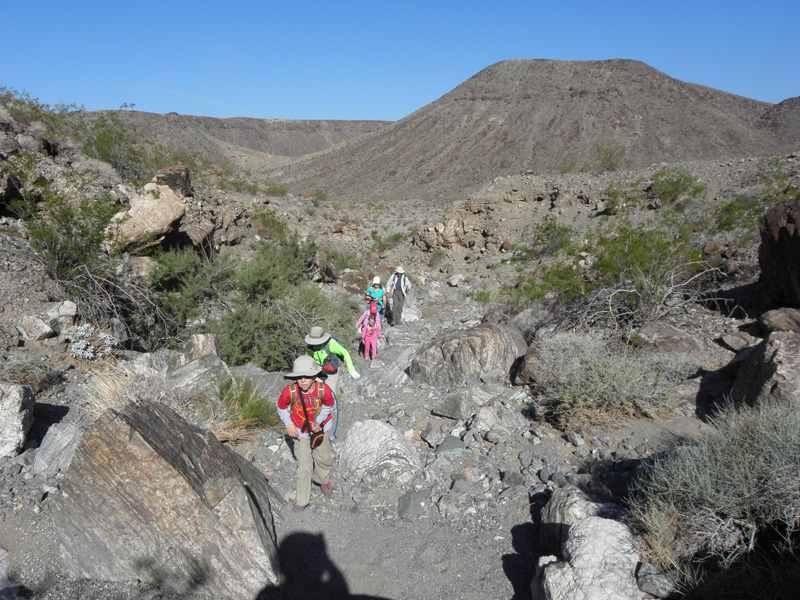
(643, 272)
(186, 280)
(27, 110)
(70, 239)
(268, 224)
(275, 190)
(277, 267)
(611, 158)
(670, 184)
(617, 198)
(723, 514)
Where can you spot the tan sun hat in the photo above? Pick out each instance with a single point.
(317, 336)
(304, 366)
(400, 270)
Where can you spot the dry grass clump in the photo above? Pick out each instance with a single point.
(723, 515)
(113, 389)
(582, 380)
(32, 372)
(238, 431)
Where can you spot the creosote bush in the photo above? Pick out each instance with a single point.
(723, 514)
(671, 184)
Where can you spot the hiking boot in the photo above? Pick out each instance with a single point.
(298, 508)
(326, 488)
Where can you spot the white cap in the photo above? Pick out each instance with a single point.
(376, 279)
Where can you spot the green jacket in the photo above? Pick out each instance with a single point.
(336, 349)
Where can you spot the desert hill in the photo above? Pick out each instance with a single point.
(245, 142)
(546, 115)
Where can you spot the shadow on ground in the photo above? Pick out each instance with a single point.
(308, 572)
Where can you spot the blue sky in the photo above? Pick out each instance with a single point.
(372, 60)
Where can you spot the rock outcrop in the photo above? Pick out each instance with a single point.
(459, 357)
(16, 417)
(148, 496)
(779, 253)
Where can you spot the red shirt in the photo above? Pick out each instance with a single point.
(317, 411)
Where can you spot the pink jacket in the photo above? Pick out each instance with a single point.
(362, 320)
(371, 333)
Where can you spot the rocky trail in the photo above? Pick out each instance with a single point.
(452, 511)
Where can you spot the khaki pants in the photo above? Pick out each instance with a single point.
(314, 464)
(398, 300)
(333, 382)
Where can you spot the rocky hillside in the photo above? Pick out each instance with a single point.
(245, 143)
(544, 115)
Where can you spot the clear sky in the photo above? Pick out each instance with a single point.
(371, 60)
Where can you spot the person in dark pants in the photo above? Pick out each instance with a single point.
(398, 286)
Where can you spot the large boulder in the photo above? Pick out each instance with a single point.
(377, 452)
(599, 563)
(16, 417)
(770, 372)
(567, 506)
(149, 497)
(176, 178)
(457, 358)
(779, 253)
(153, 214)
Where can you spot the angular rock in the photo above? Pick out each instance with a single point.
(779, 253)
(667, 338)
(199, 344)
(62, 315)
(201, 375)
(770, 372)
(34, 329)
(57, 448)
(152, 214)
(567, 506)
(456, 406)
(147, 496)
(655, 582)
(600, 560)
(461, 357)
(16, 417)
(781, 319)
(176, 178)
(375, 450)
(411, 504)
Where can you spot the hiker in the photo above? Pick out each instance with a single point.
(370, 334)
(398, 286)
(305, 406)
(327, 352)
(372, 309)
(375, 293)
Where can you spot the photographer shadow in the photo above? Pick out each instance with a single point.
(308, 572)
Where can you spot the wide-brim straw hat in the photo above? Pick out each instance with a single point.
(317, 336)
(304, 366)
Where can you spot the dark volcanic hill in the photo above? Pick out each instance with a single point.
(545, 115)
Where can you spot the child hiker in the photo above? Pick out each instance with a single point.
(305, 407)
(372, 309)
(370, 333)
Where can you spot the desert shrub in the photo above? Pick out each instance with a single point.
(390, 241)
(278, 266)
(562, 281)
(319, 197)
(32, 371)
(70, 239)
(548, 239)
(611, 158)
(185, 280)
(241, 396)
(437, 257)
(27, 110)
(237, 184)
(670, 184)
(725, 512)
(641, 274)
(274, 189)
(744, 212)
(268, 224)
(609, 386)
(333, 260)
(106, 137)
(618, 198)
